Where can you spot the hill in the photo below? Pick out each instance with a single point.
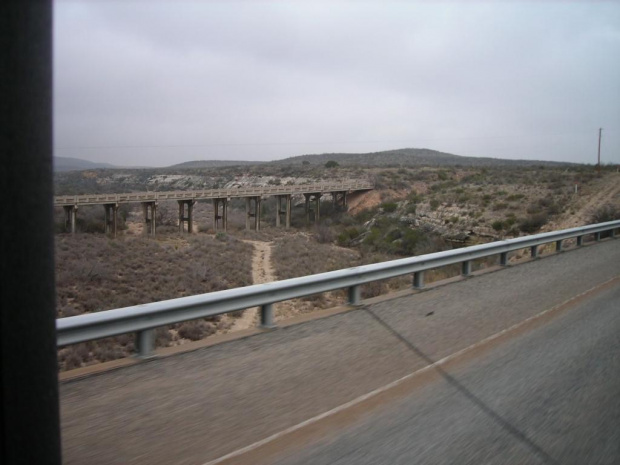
(77, 164)
(409, 157)
(214, 163)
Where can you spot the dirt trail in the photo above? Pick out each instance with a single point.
(262, 272)
(603, 191)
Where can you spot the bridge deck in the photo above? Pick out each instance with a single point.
(134, 197)
(197, 406)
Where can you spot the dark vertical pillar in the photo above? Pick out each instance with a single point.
(288, 211)
(111, 217)
(29, 426)
(317, 214)
(278, 210)
(181, 216)
(257, 210)
(307, 207)
(248, 213)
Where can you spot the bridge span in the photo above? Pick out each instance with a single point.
(266, 396)
(220, 198)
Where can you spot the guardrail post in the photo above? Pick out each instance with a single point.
(355, 295)
(466, 268)
(534, 251)
(597, 236)
(503, 259)
(558, 246)
(145, 343)
(579, 241)
(266, 316)
(418, 280)
(612, 233)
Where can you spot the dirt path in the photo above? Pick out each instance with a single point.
(262, 272)
(603, 191)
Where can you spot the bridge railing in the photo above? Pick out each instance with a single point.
(132, 197)
(143, 319)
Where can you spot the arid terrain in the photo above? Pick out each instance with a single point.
(411, 211)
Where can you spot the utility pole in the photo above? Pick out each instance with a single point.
(600, 132)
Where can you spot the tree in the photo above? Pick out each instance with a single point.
(331, 164)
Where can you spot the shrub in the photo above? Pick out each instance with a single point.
(605, 213)
(533, 223)
(331, 164)
(498, 225)
(389, 207)
(434, 204)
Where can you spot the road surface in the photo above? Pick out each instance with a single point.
(199, 406)
(550, 396)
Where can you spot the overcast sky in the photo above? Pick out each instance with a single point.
(158, 83)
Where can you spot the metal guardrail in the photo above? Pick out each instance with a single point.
(143, 319)
(97, 199)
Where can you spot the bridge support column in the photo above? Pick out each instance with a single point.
(252, 212)
(150, 213)
(189, 218)
(286, 211)
(70, 217)
(316, 198)
(111, 218)
(220, 220)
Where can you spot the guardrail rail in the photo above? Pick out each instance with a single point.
(144, 319)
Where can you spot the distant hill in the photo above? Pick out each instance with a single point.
(77, 164)
(214, 163)
(408, 157)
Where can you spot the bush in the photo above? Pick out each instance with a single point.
(331, 164)
(498, 225)
(605, 213)
(434, 204)
(533, 223)
(389, 207)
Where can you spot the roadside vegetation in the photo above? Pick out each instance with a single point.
(413, 210)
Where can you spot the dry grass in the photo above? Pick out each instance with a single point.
(94, 273)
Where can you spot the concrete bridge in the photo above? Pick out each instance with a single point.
(220, 198)
(510, 365)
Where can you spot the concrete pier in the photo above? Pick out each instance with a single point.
(253, 214)
(286, 212)
(186, 218)
(220, 219)
(111, 218)
(310, 198)
(70, 217)
(150, 213)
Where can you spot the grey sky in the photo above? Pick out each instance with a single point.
(158, 83)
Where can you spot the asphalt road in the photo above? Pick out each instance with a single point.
(550, 396)
(198, 406)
